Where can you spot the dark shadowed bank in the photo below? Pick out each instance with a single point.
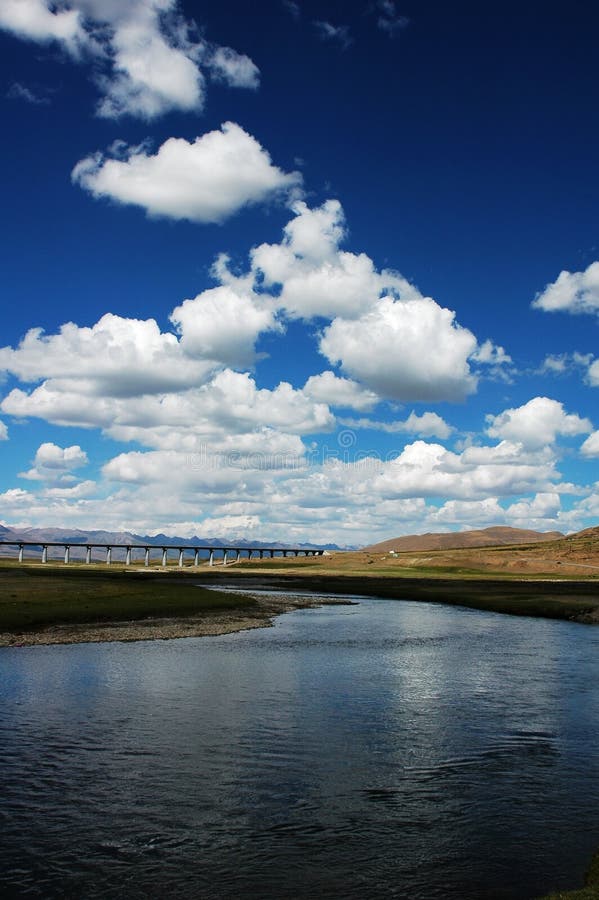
(576, 601)
(590, 891)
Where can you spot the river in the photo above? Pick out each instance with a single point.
(380, 750)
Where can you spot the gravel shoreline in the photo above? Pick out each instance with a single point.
(168, 628)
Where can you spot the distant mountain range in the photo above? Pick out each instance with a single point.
(498, 535)
(78, 536)
(495, 536)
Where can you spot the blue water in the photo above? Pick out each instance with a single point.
(387, 749)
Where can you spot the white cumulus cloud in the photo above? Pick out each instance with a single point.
(221, 448)
(55, 464)
(591, 446)
(35, 20)
(592, 375)
(147, 57)
(429, 424)
(228, 414)
(561, 363)
(533, 513)
(424, 469)
(79, 491)
(115, 357)
(314, 276)
(536, 423)
(206, 180)
(468, 513)
(223, 324)
(329, 388)
(233, 68)
(305, 500)
(491, 354)
(412, 350)
(383, 333)
(574, 292)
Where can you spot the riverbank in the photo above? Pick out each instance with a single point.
(590, 891)
(59, 604)
(260, 615)
(575, 601)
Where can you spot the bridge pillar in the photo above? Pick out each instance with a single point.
(250, 554)
(296, 552)
(88, 555)
(211, 558)
(108, 555)
(180, 557)
(20, 553)
(237, 555)
(44, 554)
(147, 557)
(272, 554)
(262, 554)
(128, 557)
(66, 554)
(196, 558)
(164, 553)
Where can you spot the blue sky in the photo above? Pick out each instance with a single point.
(308, 271)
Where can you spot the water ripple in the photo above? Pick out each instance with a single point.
(405, 750)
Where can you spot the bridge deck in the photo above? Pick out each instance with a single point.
(204, 551)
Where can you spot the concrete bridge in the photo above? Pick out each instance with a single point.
(229, 554)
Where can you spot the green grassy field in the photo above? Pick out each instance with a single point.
(32, 597)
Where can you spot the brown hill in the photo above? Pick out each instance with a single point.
(587, 533)
(499, 535)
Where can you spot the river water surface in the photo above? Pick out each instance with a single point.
(386, 749)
